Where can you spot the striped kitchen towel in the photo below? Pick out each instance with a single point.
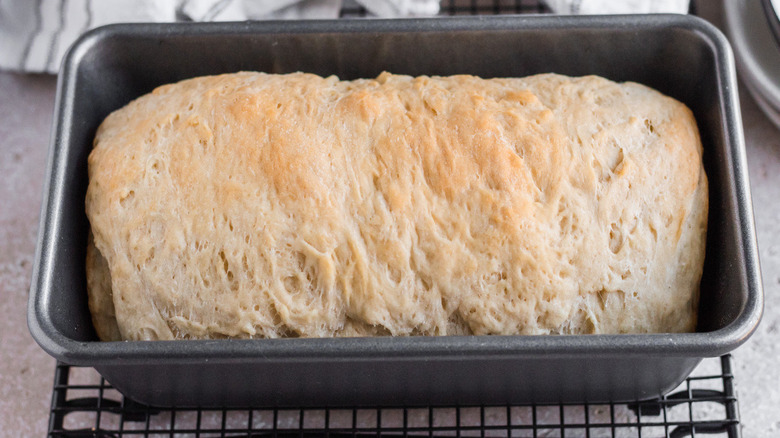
(35, 34)
(588, 7)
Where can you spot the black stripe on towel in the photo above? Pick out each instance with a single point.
(33, 34)
(54, 40)
(88, 10)
(215, 10)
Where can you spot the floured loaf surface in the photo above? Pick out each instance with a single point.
(258, 205)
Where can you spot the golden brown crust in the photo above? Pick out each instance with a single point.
(256, 205)
(101, 304)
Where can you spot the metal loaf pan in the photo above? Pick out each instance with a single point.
(681, 56)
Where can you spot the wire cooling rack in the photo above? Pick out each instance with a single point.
(85, 405)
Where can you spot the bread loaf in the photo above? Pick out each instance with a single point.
(259, 205)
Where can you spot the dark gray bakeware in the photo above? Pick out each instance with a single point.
(682, 56)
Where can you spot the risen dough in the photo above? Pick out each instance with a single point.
(257, 205)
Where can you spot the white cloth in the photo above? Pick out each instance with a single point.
(590, 7)
(35, 34)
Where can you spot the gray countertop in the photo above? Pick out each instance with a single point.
(26, 372)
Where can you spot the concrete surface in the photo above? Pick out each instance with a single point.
(26, 372)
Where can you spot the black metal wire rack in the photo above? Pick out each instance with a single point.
(85, 405)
